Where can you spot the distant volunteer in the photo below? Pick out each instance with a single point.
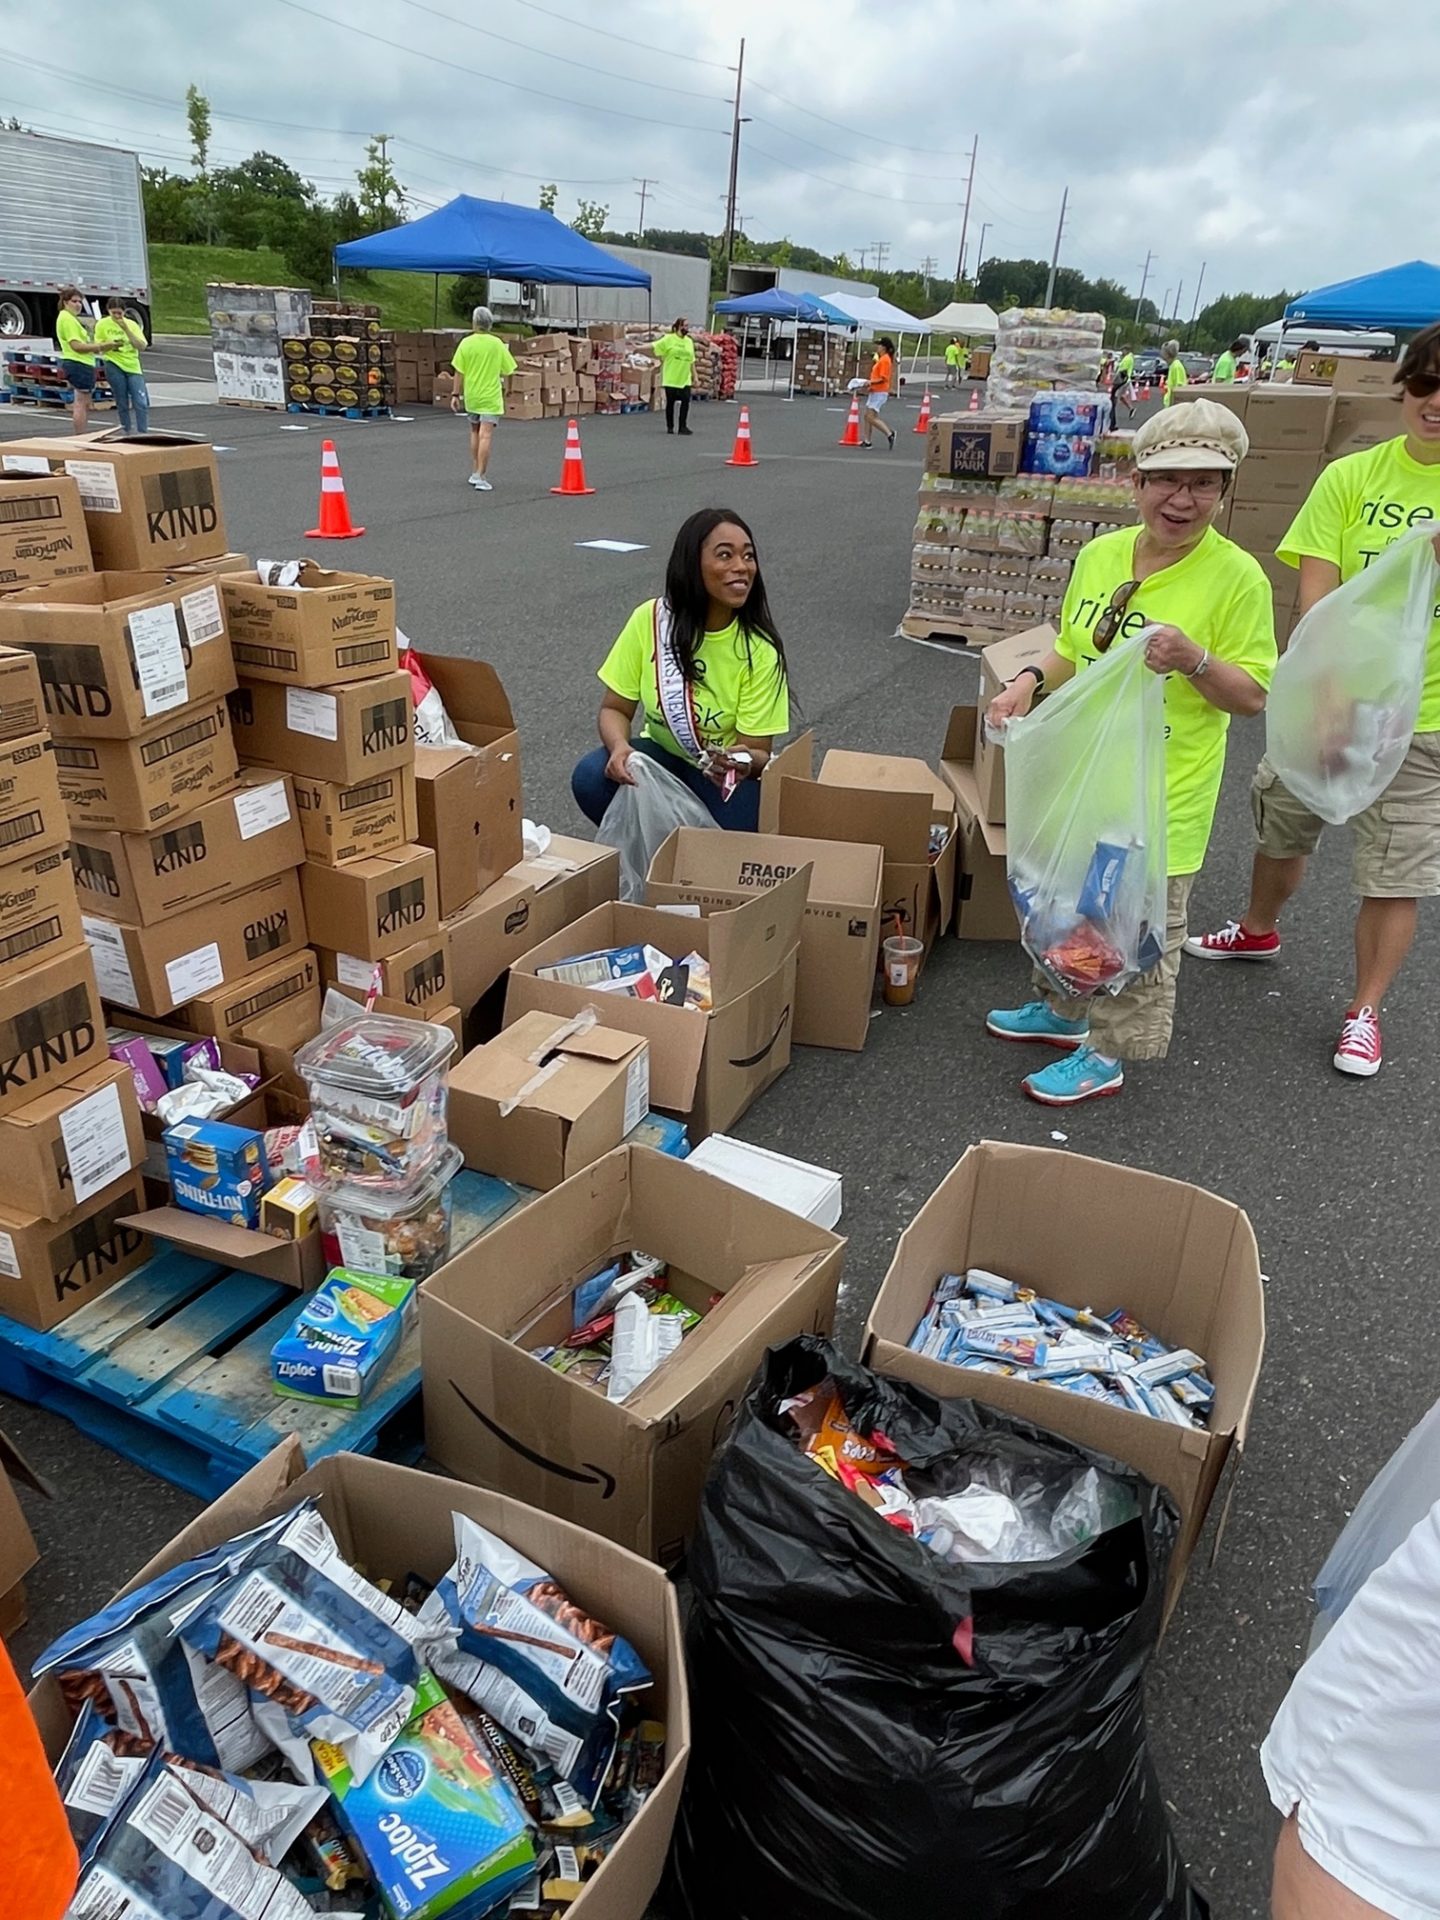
(676, 353)
(482, 363)
(1356, 508)
(78, 354)
(882, 372)
(1175, 374)
(1122, 390)
(952, 364)
(1214, 643)
(120, 339)
(707, 665)
(1223, 373)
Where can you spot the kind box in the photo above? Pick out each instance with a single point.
(48, 1268)
(50, 1025)
(341, 735)
(151, 500)
(61, 1150)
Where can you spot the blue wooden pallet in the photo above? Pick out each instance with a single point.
(344, 413)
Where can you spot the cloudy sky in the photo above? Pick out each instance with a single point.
(1277, 144)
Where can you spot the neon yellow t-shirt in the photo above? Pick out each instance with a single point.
(1125, 366)
(1219, 596)
(1357, 507)
(482, 362)
(120, 348)
(734, 695)
(676, 354)
(952, 355)
(1175, 378)
(71, 332)
(1224, 369)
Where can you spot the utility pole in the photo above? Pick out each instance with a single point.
(879, 248)
(965, 216)
(1195, 310)
(928, 266)
(1164, 306)
(980, 250)
(861, 258)
(645, 186)
(1144, 282)
(1055, 256)
(1178, 291)
(734, 170)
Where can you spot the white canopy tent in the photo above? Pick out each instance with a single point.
(965, 316)
(875, 314)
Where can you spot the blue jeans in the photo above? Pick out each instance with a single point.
(593, 792)
(132, 398)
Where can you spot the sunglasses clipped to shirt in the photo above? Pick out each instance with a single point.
(1108, 625)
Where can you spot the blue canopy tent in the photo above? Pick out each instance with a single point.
(774, 303)
(1405, 298)
(491, 237)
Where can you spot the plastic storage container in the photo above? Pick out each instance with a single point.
(378, 1099)
(405, 1233)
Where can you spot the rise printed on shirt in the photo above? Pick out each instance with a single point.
(1357, 508)
(1220, 597)
(730, 694)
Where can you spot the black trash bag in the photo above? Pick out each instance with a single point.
(848, 1764)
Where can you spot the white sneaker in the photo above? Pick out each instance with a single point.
(481, 484)
(474, 479)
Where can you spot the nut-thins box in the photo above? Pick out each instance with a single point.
(42, 530)
(161, 775)
(341, 824)
(1182, 1260)
(373, 908)
(341, 735)
(328, 629)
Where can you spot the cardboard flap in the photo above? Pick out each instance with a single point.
(793, 762)
(960, 735)
(295, 1263)
(152, 437)
(471, 690)
(17, 1467)
(897, 822)
(749, 942)
(599, 1043)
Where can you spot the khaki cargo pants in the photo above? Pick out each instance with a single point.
(1135, 1024)
(1395, 852)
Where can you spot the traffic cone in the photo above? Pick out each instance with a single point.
(742, 456)
(851, 435)
(572, 472)
(334, 509)
(922, 425)
(974, 399)
(1145, 390)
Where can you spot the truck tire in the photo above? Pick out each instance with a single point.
(137, 311)
(16, 319)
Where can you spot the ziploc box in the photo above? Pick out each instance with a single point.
(338, 1345)
(216, 1169)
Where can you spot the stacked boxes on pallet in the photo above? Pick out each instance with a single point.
(247, 326)
(819, 360)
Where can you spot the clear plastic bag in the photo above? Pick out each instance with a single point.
(1085, 823)
(640, 819)
(1395, 1502)
(1346, 693)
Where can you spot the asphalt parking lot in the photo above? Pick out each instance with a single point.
(1332, 1171)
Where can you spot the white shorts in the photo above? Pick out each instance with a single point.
(876, 401)
(1354, 1752)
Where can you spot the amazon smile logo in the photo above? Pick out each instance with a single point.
(586, 1475)
(755, 1059)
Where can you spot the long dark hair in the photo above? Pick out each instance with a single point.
(888, 344)
(689, 603)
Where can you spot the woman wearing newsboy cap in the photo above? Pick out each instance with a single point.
(1214, 641)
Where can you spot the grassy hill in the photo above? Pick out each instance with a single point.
(178, 278)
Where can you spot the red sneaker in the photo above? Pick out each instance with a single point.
(1359, 1051)
(1233, 942)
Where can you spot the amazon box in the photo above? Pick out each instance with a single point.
(151, 500)
(999, 664)
(706, 1068)
(547, 1097)
(282, 997)
(42, 530)
(631, 1471)
(160, 776)
(373, 908)
(342, 735)
(1182, 1260)
(983, 906)
(48, 1268)
(329, 629)
(231, 843)
(156, 969)
(840, 931)
(59, 1151)
(117, 651)
(478, 793)
(39, 914)
(394, 1521)
(416, 979)
(32, 811)
(341, 824)
(534, 900)
(51, 1025)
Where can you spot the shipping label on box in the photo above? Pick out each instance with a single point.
(42, 530)
(340, 824)
(164, 773)
(151, 501)
(328, 629)
(417, 978)
(50, 1025)
(48, 1268)
(62, 1149)
(291, 982)
(341, 735)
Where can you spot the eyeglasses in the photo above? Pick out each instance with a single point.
(1200, 486)
(1108, 625)
(1420, 386)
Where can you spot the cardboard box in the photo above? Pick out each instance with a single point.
(1314, 369)
(51, 1025)
(216, 563)
(706, 1067)
(523, 406)
(840, 932)
(983, 907)
(481, 714)
(999, 664)
(466, 804)
(1287, 419)
(158, 968)
(1233, 395)
(1364, 376)
(1260, 525)
(39, 913)
(871, 799)
(340, 824)
(161, 775)
(1359, 421)
(284, 993)
(573, 1093)
(972, 444)
(525, 906)
(18, 1552)
(1180, 1259)
(1276, 477)
(394, 1520)
(119, 651)
(373, 908)
(812, 1192)
(343, 735)
(417, 978)
(630, 1471)
(151, 500)
(42, 530)
(59, 1151)
(231, 843)
(329, 629)
(22, 704)
(48, 1268)
(32, 812)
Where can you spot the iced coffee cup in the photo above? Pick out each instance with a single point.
(902, 957)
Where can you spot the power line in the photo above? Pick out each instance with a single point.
(836, 186)
(608, 33)
(853, 159)
(900, 146)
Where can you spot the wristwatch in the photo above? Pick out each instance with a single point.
(1039, 678)
(1202, 667)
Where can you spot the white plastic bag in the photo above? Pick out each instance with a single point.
(640, 819)
(1394, 1503)
(1085, 824)
(1346, 693)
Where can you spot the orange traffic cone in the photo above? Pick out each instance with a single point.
(334, 509)
(851, 435)
(922, 425)
(572, 472)
(974, 399)
(742, 456)
(1145, 390)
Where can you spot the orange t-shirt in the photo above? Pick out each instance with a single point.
(880, 373)
(35, 1845)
